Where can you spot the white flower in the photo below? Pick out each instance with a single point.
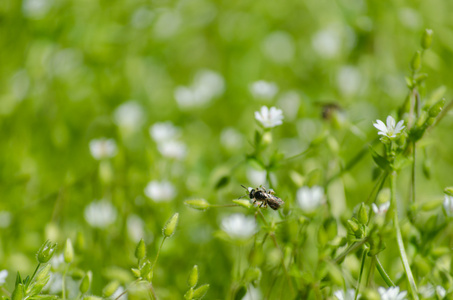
(448, 205)
(206, 86)
(3, 275)
(172, 149)
(100, 214)
(231, 139)
(160, 191)
(392, 293)
(252, 294)
(256, 177)
(348, 295)
(129, 115)
(263, 90)
(381, 209)
(239, 226)
(269, 117)
(5, 219)
(135, 228)
(103, 148)
(164, 131)
(441, 292)
(392, 129)
(327, 42)
(118, 292)
(57, 260)
(310, 198)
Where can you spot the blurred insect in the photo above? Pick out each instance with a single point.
(266, 197)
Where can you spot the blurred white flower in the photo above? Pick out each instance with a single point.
(206, 86)
(5, 219)
(167, 24)
(239, 226)
(269, 117)
(392, 293)
(327, 42)
(256, 177)
(392, 129)
(290, 103)
(36, 9)
(310, 198)
(164, 131)
(279, 47)
(160, 191)
(118, 292)
(135, 228)
(103, 148)
(3, 275)
(263, 90)
(172, 149)
(231, 139)
(348, 295)
(100, 214)
(129, 115)
(381, 209)
(57, 260)
(142, 18)
(441, 292)
(448, 205)
(253, 294)
(349, 80)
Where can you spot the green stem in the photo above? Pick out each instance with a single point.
(158, 252)
(355, 246)
(63, 282)
(371, 271)
(413, 173)
(272, 235)
(365, 252)
(384, 274)
(399, 238)
(34, 273)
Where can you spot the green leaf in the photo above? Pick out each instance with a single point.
(381, 161)
(201, 291)
(240, 293)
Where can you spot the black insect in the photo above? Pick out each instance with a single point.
(266, 197)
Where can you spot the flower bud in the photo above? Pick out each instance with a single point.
(146, 270)
(435, 110)
(416, 62)
(110, 288)
(243, 203)
(85, 283)
(200, 204)
(68, 252)
(140, 251)
(449, 191)
(189, 294)
(18, 293)
(353, 225)
(193, 277)
(363, 214)
(136, 272)
(201, 291)
(170, 226)
(46, 252)
(427, 39)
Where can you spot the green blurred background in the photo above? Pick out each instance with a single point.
(66, 67)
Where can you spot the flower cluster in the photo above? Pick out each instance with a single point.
(166, 135)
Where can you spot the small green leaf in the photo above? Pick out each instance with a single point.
(381, 161)
(201, 291)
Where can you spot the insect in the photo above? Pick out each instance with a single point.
(266, 197)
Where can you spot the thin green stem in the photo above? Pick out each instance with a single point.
(371, 271)
(399, 238)
(63, 282)
(272, 235)
(364, 254)
(352, 248)
(34, 273)
(384, 274)
(158, 252)
(413, 172)
(125, 291)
